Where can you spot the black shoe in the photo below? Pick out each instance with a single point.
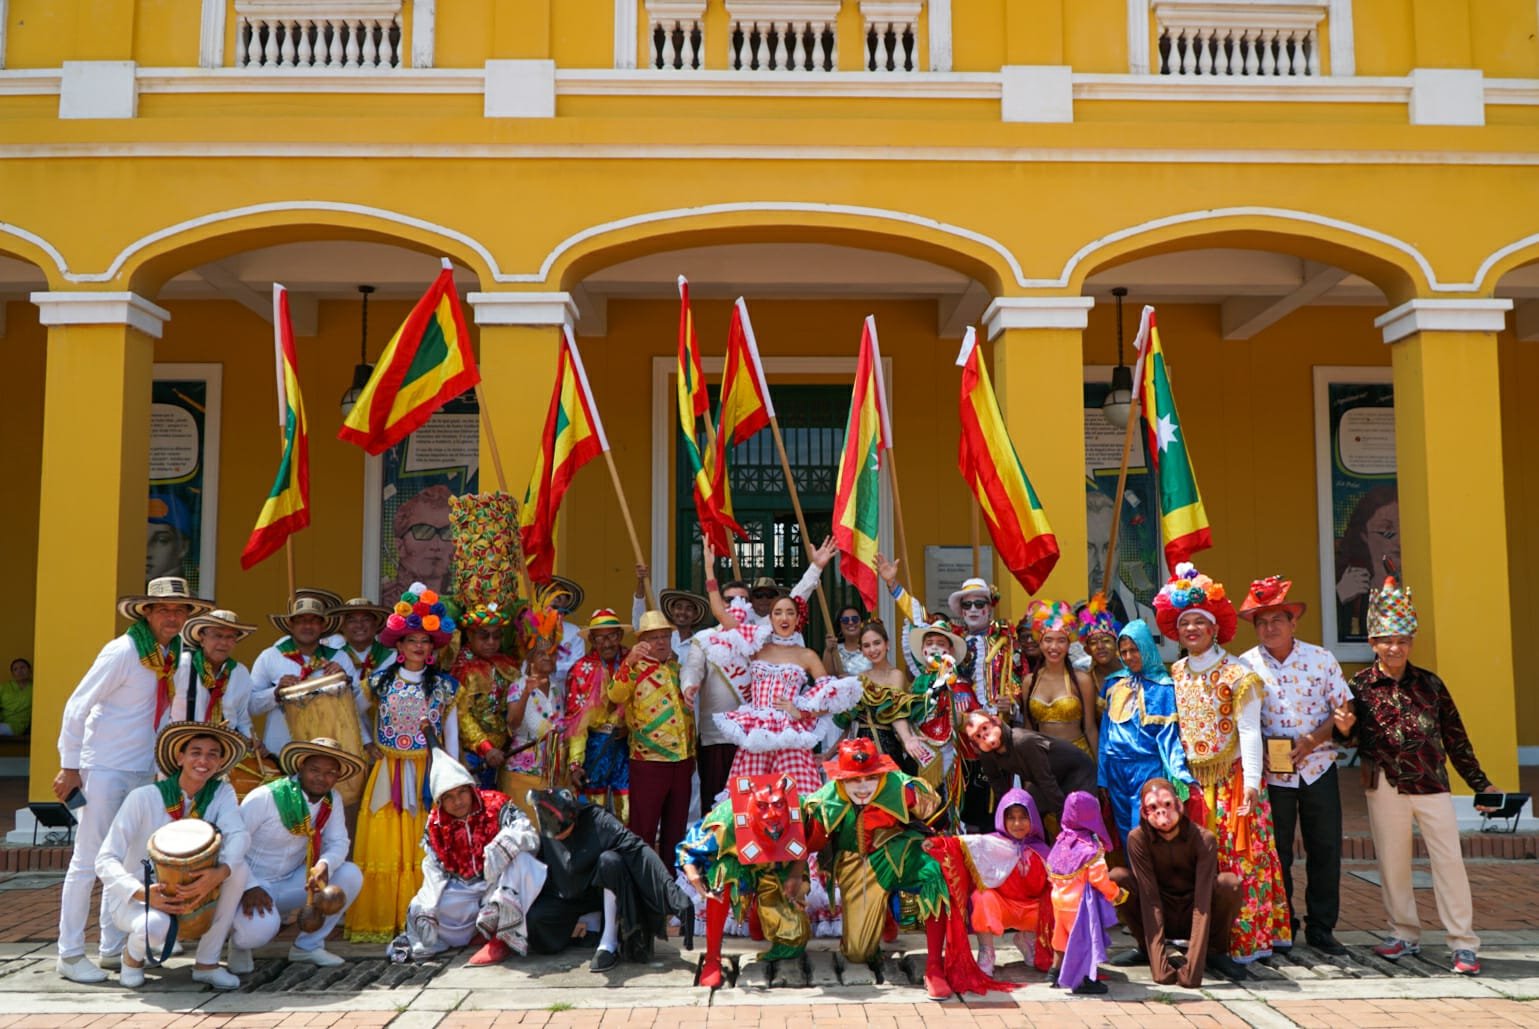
(1089, 988)
(1325, 943)
(1132, 958)
(1227, 967)
(603, 960)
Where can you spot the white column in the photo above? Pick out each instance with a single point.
(129, 309)
(424, 32)
(524, 309)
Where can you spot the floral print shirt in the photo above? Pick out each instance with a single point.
(1410, 728)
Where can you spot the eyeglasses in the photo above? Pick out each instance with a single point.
(849, 619)
(974, 605)
(423, 531)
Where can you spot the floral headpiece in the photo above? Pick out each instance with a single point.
(1190, 590)
(418, 610)
(1054, 617)
(1094, 617)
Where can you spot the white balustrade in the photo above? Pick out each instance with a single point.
(1242, 38)
(892, 35)
(676, 33)
(775, 35)
(359, 34)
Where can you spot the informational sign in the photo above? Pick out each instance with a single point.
(945, 569)
(1139, 559)
(1358, 499)
(417, 478)
(184, 474)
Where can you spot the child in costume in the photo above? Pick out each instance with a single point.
(1081, 915)
(748, 856)
(485, 675)
(1014, 890)
(534, 704)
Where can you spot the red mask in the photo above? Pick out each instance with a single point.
(769, 812)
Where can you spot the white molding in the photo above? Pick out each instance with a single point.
(1139, 44)
(31, 81)
(1241, 14)
(1037, 313)
(424, 33)
(347, 81)
(98, 89)
(627, 32)
(1040, 93)
(83, 308)
(940, 36)
(211, 34)
(1447, 96)
(1443, 316)
(520, 89)
(1322, 89)
(1343, 49)
(4, 18)
(208, 530)
(815, 84)
(523, 308)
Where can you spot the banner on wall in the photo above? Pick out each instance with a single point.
(1358, 499)
(417, 478)
(1139, 560)
(184, 474)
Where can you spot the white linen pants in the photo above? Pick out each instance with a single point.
(252, 931)
(105, 790)
(1390, 814)
(130, 920)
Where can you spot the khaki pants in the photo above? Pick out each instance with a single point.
(1390, 814)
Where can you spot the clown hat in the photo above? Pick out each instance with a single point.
(602, 619)
(1190, 590)
(419, 610)
(1270, 594)
(858, 758)
(1390, 610)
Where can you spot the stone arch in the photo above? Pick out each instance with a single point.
(28, 246)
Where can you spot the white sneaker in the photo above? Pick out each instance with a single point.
(110, 962)
(320, 958)
(131, 977)
(80, 969)
(218, 978)
(240, 961)
(986, 957)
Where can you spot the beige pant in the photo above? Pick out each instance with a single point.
(1390, 814)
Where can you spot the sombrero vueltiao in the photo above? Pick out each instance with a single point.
(295, 752)
(197, 625)
(359, 605)
(572, 591)
(174, 737)
(307, 604)
(699, 607)
(168, 589)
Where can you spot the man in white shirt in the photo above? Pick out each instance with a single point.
(194, 757)
(299, 844)
(361, 620)
(295, 658)
(1304, 686)
(215, 687)
(107, 749)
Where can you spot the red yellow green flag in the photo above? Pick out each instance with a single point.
(1183, 520)
(745, 403)
(573, 436)
(427, 363)
(994, 473)
(694, 402)
(287, 508)
(857, 500)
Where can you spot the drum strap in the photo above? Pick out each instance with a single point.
(166, 948)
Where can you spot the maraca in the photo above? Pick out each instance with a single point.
(310, 919)
(330, 899)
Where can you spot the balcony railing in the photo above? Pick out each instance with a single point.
(783, 35)
(1243, 38)
(351, 35)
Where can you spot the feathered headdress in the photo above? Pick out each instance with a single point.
(1054, 617)
(540, 620)
(1094, 617)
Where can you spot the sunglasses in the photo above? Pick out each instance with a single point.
(974, 605)
(423, 531)
(849, 619)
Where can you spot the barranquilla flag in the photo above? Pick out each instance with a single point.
(1183, 521)
(694, 403)
(573, 436)
(745, 403)
(857, 496)
(287, 508)
(993, 470)
(426, 364)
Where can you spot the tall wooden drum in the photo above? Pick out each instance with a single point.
(178, 850)
(326, 707)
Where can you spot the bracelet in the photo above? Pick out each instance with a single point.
(711, 586)
(897, 591)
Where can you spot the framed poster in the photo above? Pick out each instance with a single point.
(180, 534)
(406, 508)
(1357, 498)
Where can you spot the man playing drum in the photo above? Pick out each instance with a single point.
(194, 757)
(295, 658)
(299, 847)
(107, 748)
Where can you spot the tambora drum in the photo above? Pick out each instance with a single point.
(252, 771)
(325, 707)
(178, 850)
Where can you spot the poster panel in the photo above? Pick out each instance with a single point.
(183, 498)
(1139, 562)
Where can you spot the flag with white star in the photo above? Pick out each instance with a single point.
(1183, 521)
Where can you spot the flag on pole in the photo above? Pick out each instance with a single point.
(1183, 521)
(426, 364)
(694, 402)
(287, 508)
(573, 436)
(857, 500)
(994, 473)
(745, 403)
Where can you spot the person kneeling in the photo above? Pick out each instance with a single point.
(1175, 891)
(194, 757)
(479, 872)
(298, 854)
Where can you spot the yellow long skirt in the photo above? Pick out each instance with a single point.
(388, 850)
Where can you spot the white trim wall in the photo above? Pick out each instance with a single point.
(4, 14)
(424, 32)
(1343, 48)
(626, 28)
(940, 35)
(1138, 37)
(210, 34)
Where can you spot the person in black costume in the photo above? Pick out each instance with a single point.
(594, 863)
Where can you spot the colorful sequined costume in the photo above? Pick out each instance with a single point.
(1011, 886)
(483, 710)
(592, 738)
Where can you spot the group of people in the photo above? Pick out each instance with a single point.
(526, 783)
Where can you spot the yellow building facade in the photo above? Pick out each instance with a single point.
(1308, 191)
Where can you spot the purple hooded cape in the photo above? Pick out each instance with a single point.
(1081, 840)
(1036, 839)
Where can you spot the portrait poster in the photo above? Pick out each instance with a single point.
(1359, 504)
(1139, 564)
(416, 478)
(184, 474)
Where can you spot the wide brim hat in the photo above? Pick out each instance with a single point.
(1270, 594)
(917, 634)
(603, 620)
(294, 753)
(857, 759)
(330, 597)
(168, 589)
(194, 627)
(169, 744)
(970, 587)
(307, 604)
(653, 621)
(571, 589)
(699, 607)
(764, 584)
(357, 606)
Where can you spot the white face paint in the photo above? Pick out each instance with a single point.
(974, 617)
(860, 791)
(935, 645)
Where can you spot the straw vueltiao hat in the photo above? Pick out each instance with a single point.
(197, 625)
(570, 596)
(698, 607)
(358, 605)
(303, 604)
(174, 738)
(654, 621)
(169, 589)
(295, 752)
(917, 634)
